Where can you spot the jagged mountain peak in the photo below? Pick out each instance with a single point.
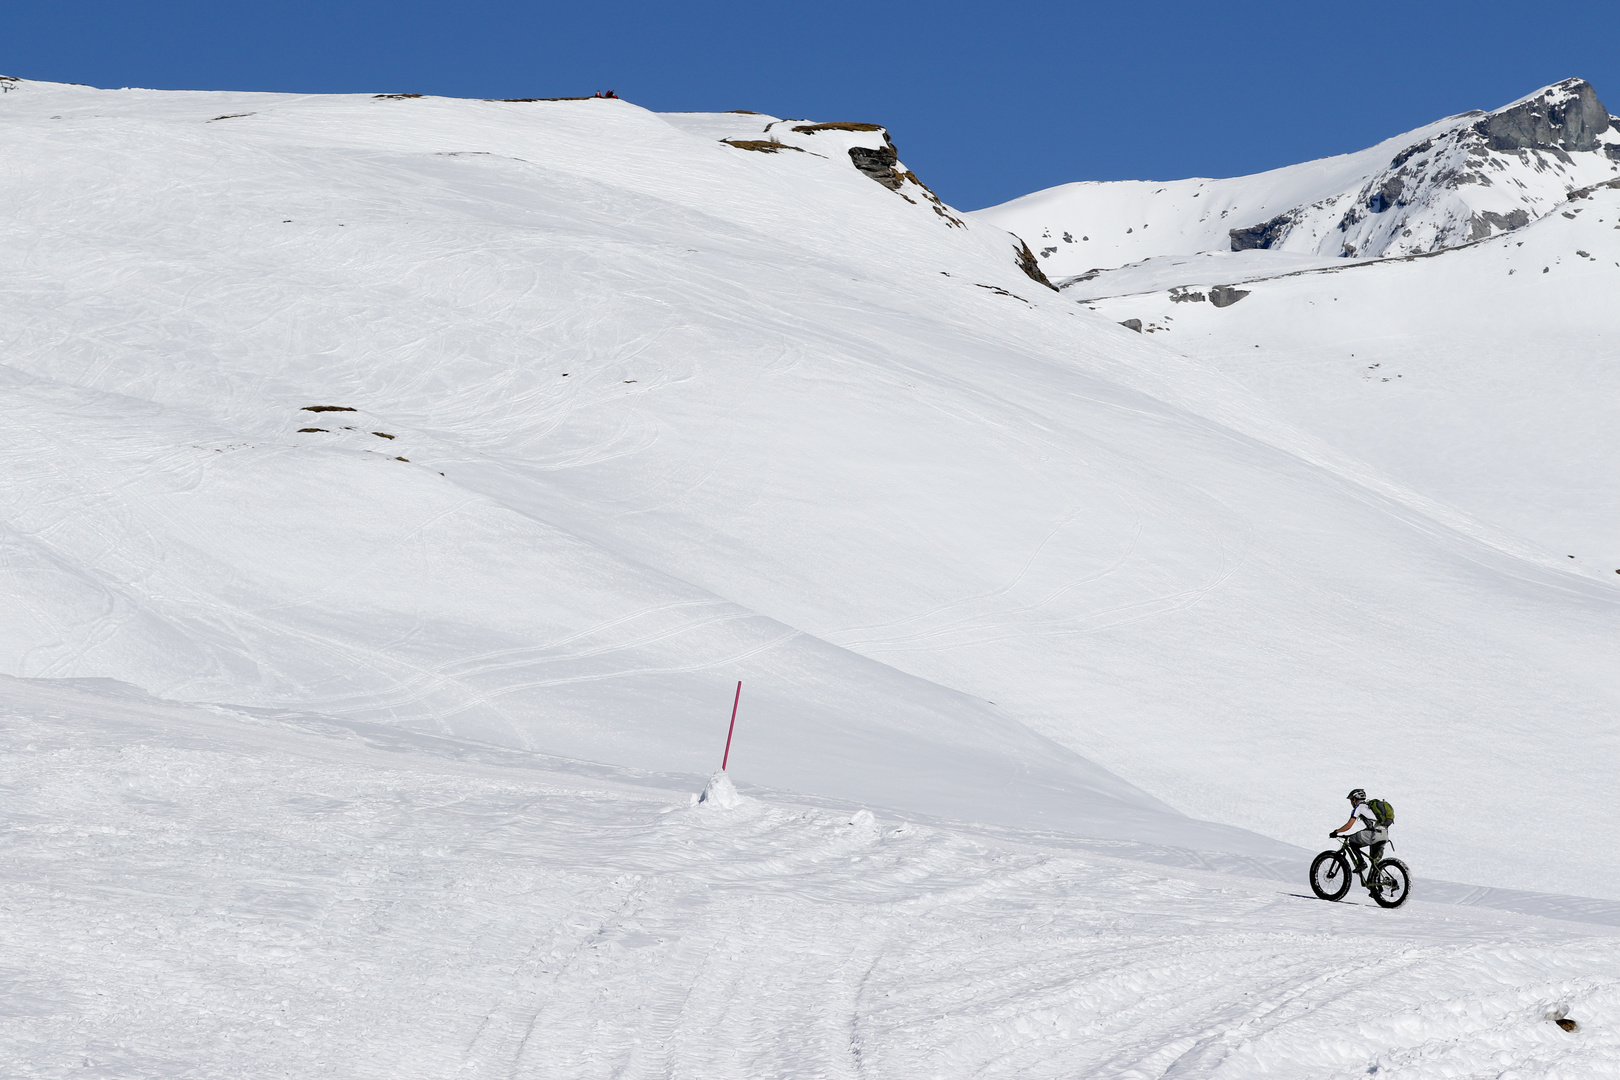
(1457, 180)
(1481, 177)
(1566, 116)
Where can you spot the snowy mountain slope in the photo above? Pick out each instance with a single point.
(705, 413)
(1481, 376)
(1450, 182)
(1169, 271)
(194, 892)
(303, 565)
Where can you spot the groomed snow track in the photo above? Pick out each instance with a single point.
(222, 895)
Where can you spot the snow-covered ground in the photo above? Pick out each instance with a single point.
(438, 467)
(1168, 271)
(195, 893)
(1481, 376)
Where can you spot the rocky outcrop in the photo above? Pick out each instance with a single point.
(1485, 223)
(873, 155)
(879, 164)
(1387, 195)
(1027, 263)
(1267, 234)
(1586, 192)
(1410, 152)
(1219, 295)
(1566, 116)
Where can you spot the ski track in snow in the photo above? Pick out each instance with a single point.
(191, 898)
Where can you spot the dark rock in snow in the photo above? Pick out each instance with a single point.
(1136, 324)
(878, 163)
(1027, 263)
(1226, 295)
(1410, 152)
(1387, 195)
(1586, 192)
(1483, 223)
(1264, 235)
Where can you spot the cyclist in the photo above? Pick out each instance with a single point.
(1369, 834)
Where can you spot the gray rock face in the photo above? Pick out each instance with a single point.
(1387, 195)
(1545, 123)
(1586, 192)
(1410, 152)
(1264, 235)
(878, 164)
(1132, 324)
(1226, 295)
(1485, 222)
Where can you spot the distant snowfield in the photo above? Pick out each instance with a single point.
(525, 430)
(1482, 376)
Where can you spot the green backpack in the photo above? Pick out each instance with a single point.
(1382, 811)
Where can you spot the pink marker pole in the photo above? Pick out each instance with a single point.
(733, 726)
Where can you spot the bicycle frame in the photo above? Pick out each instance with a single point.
(1352, 854)
(1333, 872)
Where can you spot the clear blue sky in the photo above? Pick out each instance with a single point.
(986, 101)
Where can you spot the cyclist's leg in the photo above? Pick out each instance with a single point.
(1380, 837)
(1359, 840)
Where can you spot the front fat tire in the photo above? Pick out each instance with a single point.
(1330, 876)
(1394, 894)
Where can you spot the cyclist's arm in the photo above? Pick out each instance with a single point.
(1346, 825)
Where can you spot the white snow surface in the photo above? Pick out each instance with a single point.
(1211, 267)
(1480, 376)
(397, 707)
(212, 894)
(704, 414)
(1434, 187)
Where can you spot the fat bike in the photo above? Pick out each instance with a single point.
(1389, 882)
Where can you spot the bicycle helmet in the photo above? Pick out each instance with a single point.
(1358, 795)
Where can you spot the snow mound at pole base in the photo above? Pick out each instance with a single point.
(720, 792)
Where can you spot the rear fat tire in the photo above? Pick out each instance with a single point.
(1396, 893)
(1330, 876)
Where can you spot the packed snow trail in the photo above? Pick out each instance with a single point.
(197, 893)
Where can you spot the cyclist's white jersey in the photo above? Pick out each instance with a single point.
(1369, 820)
